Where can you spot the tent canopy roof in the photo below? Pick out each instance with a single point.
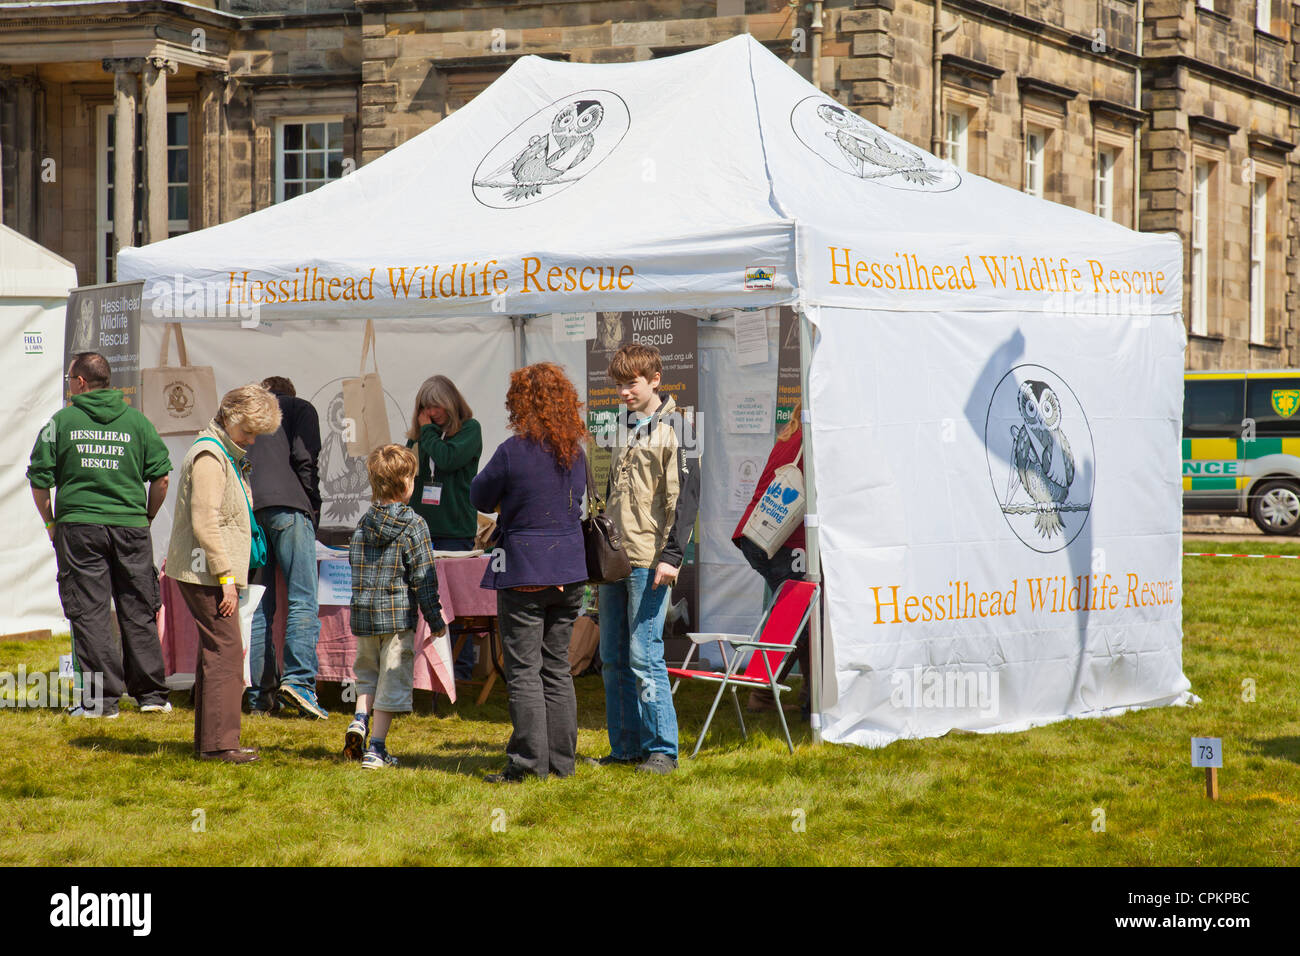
(718, 177)
(29, 270)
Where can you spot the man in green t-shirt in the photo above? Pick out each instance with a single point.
(98, 452)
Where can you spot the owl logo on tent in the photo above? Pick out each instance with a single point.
(551, 150)
(1038, 438)
(1286, 401)
(852, 145)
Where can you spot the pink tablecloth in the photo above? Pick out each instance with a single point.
(458, 589)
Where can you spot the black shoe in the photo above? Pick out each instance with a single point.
(610, 760)
(658, 763)
(511, 774)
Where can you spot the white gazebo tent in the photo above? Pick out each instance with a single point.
(993, 381)
(34, 284)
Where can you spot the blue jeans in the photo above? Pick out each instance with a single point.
(638, 699)
(463, 668)
(291, 545)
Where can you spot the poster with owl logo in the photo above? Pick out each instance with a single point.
(106, 319)
(1041, 458)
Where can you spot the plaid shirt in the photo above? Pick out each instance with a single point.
(392, 572)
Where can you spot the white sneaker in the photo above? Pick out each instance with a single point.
(164, 708)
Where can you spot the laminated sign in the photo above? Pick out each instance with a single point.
(780, 509)
(363, 403)
(177, 398)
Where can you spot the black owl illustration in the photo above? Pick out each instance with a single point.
(870, 154)
(1041, 460)
(548, 156)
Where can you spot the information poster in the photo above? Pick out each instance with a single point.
(106, 319)
(787, 366)
(675, 335)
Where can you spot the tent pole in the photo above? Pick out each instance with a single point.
(811, 532)
(517, 321)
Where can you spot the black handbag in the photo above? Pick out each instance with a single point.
(607, 562)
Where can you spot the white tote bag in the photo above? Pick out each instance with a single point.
(780, 510)
(249, 598)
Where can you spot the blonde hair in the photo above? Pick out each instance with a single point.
(441, 391)
(789, 428)
(250, 408)
(390, 467)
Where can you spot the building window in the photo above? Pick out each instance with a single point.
(1205, 4)
(1035, 152)
(1263, 15)
(955, 134)
(1104, 191)
(1200, 247)
(178, 180)
(1258, 259)
(308, 154)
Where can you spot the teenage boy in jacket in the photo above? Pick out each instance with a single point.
(98, 453)
(654, 495)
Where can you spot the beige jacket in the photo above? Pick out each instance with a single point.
(654, 491)
(211, 537)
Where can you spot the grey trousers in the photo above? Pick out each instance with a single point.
(535, 631)
(102, 562)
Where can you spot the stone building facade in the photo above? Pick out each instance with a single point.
(1177, 115)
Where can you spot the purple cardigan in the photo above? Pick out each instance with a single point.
(541, 515)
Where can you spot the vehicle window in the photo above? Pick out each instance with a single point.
(1213, 408)
(1274, 404)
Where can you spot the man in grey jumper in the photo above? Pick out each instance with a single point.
(286, 493)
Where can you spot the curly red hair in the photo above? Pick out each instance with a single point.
(543, 406)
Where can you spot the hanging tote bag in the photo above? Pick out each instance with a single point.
(257, 549)
(607, 562)
(177, 398)
(780, 509)
(364, 412)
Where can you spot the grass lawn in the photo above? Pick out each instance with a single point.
(129, 792)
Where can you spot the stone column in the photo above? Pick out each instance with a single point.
(156, 69)
(25, 159)
(212, 104)
(5, 74)
(124, 98)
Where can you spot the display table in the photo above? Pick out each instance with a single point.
(458, 590)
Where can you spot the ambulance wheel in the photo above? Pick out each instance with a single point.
(1275, 507)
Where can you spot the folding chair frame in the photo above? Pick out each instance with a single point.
(727, 680)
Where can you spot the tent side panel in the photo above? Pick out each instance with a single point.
(1000, 503)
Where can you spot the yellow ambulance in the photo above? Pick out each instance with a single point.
(1241, 446)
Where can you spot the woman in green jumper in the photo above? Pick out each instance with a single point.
(448, 442)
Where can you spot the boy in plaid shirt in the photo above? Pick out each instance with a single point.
(392, 574)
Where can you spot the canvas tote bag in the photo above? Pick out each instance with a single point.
(364, 402)
(177, 398)
(780, 509)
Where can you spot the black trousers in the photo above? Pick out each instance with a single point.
(535, 631)
(99, 563)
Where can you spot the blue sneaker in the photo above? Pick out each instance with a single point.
(375, 760)
(305, 701)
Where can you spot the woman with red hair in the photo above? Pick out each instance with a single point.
(537, 479)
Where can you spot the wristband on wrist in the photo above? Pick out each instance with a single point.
(49, 525)
(226, 579)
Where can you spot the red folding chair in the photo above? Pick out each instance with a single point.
(776, 634)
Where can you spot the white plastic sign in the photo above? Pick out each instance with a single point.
(65, 667)
(1207, 752)
(334, 586)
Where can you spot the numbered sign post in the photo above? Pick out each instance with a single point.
(1207, 752)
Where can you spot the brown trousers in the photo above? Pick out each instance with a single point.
(218, 673)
